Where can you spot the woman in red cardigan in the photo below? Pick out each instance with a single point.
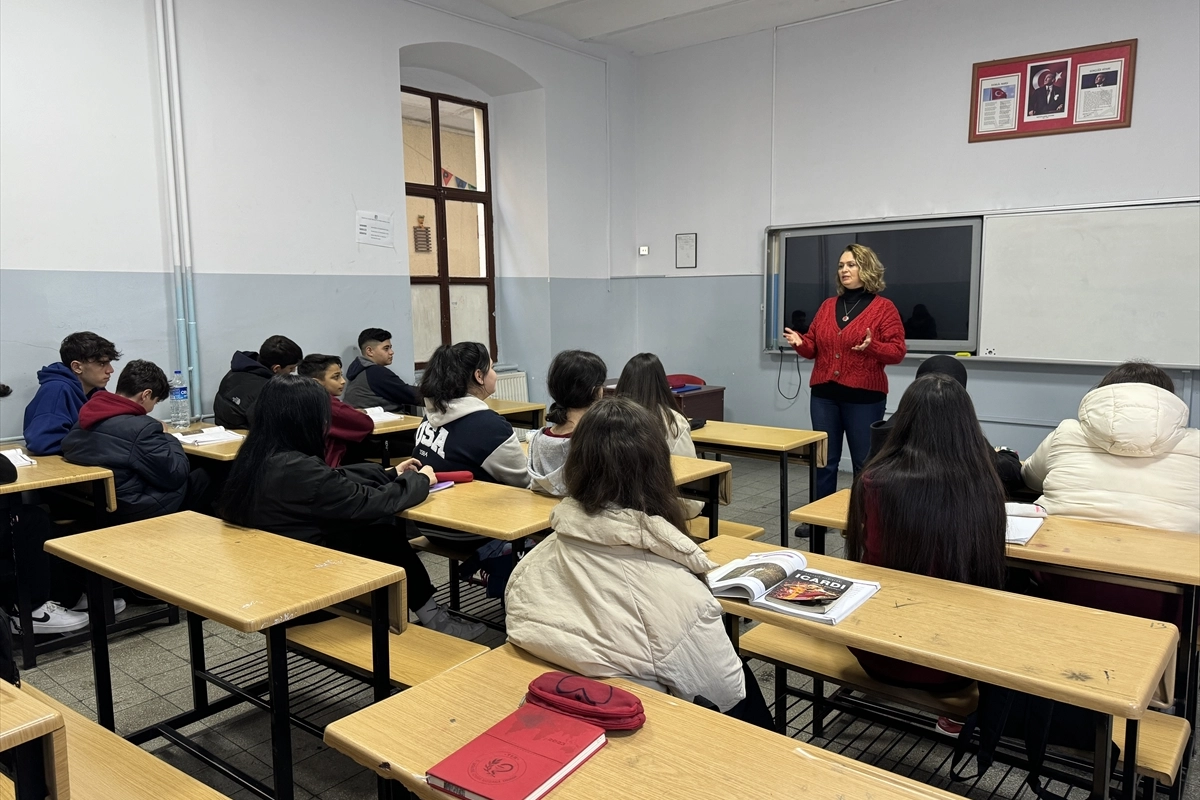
(852, 337)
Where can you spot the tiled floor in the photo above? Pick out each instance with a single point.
(150, 682)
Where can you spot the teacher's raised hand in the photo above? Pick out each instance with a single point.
(792, 338)
(866, 342)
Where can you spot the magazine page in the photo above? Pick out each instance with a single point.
(753, 575)
(821, 609)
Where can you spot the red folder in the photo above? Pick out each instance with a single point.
(522, 757)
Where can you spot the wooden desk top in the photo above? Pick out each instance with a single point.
(51, 471)
(506, 407)
(243, 578)
(487, 509)
(830, 511)
(1125, 550)
(408, 422)
(687, 469)
(755, 437)
(22, 718)
(682, 750)
(1107, 662)
(222, 451)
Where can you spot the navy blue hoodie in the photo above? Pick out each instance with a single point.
(369, 385)
(54, 409)
(239, 389)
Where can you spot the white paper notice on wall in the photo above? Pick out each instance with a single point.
(373, 228)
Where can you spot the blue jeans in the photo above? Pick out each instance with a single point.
(837, 418)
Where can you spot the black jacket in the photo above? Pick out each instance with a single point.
(369, 385)
(239, 389)
(8, 471)
(305, 499)
(148, 464)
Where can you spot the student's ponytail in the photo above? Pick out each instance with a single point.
(451, 371)
(573, 380)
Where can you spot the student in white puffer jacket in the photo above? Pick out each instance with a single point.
(618, 589)
(1130, 457)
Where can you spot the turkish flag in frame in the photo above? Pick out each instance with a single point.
(1064, 91)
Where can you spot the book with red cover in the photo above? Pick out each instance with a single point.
(522, 757)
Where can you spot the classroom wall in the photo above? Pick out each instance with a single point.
(291, 118)
(868, 118)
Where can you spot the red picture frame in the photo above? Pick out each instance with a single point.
(1064, 91)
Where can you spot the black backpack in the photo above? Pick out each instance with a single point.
(8, 659)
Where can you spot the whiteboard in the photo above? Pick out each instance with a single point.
(1093, 285)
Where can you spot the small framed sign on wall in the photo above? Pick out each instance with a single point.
(685, 251)
(1065, 91)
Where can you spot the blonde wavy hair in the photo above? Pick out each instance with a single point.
(870, 268)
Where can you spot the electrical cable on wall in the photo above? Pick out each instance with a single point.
(779, 377)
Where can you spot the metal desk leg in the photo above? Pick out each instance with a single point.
(1129, 757)
(100, 587)
(816, 541)
(381, 668)
(24, 600)
(783, 499)
(1100, 764)
(1187, 666)
(385, 460)
(714, 503)
(195, 624)
(29, 773)
(281, 723)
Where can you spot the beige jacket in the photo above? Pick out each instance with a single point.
(682, 445)
(621, 594)
(1129, 458)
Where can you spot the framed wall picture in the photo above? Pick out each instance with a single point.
(1066, 91)
(685, 251)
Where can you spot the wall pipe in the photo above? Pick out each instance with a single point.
(181, 329)
(189, 294)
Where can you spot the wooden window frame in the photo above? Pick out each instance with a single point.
(440, 194)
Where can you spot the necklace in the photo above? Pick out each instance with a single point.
(846, 316)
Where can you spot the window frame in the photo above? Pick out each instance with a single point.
(440, 195)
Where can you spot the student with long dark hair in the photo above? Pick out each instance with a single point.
(575, 380)
(929, 503)
(644, 381)
(617, 590)
(281, 483)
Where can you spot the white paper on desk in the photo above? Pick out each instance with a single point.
(214, 435)
(18, 458)
(377, 414)
(1021, 529)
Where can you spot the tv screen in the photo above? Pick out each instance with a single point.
(931, 268)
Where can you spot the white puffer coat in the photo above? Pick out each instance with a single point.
(621, 594)
(1129, 458)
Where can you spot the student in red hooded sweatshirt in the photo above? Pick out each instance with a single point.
(115, 431)
(348, 425)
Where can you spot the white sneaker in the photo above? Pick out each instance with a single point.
(443, 622)
(82, 605)
(50, 618)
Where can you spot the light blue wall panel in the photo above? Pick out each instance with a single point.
(39, 307)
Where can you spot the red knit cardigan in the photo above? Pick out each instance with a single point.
(831, 346)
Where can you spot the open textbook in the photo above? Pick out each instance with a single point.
(215, 434)
(377, 414)
(781, 581)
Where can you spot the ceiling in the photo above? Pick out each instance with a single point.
(643, 27)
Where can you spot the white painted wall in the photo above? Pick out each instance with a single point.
(884, 96)
(79, 137)
(704, 155)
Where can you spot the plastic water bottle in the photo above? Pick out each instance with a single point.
(181, 413)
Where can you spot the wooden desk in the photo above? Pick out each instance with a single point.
(1053, 650)
(243, 578)
(36, 733)
(780, 443)
(222, 451)
(403, 736)
(486, 509)
(524, 414)
(52, 471)
(718, 490)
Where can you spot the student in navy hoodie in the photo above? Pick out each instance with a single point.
(371, 383)
(248, 373)
(84, 367)
(115, 430)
